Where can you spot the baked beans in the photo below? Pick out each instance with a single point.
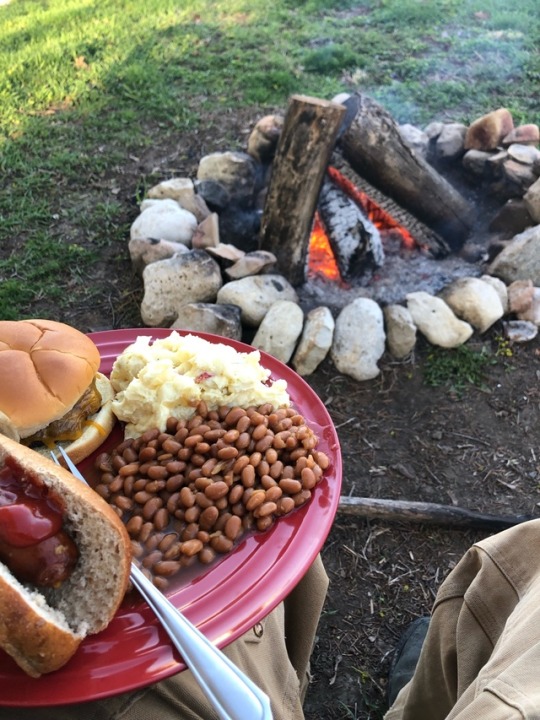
(189, 493)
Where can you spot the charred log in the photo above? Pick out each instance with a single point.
(306, 142)
(355, 241)
(426, 238)
(373, 145)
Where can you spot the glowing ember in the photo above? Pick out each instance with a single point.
(382, 220)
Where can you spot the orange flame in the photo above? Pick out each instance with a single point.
(322, 262)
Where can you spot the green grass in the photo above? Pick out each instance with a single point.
(457, 368)
(88, 85)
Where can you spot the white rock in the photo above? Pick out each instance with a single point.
(153, 202)
(169, 284)
(416, 138)
(182, 190)
(520, 330)
(359, 339)
(498, 285)
(400, 331)
(164, 220)
(474, 301)
(280, 329)
(315, 342)
(436, 320)
(255, 294)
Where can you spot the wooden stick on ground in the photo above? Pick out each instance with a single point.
(426, 513)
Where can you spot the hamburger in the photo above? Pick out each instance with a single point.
(51, 390)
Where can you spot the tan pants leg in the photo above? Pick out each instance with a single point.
(481, 656)
(274, 654)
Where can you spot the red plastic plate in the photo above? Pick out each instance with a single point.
(223, 600)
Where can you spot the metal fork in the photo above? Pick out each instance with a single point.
(232, 694)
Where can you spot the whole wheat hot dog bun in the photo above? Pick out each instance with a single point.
(42, 629)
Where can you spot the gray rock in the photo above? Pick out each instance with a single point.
(235, 171)
(520, 330)
(315, 342)
(400, 331)
(251, 264)
(144, 251)
(214, 194)
(280, 329)
(212, 318)
(525, 154)
(449, 143)
(520, 259)
(476, 162)
(416, 138)
(255, 295)
(169, 284)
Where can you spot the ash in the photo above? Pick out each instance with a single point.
(403, 272)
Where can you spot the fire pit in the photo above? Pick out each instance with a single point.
(336, 214)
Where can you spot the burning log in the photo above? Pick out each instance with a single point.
(306, 142)
(373, 146)
(354, 240)
(424, 237)
(426, 513)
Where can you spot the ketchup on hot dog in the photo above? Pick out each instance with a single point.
(32, 542)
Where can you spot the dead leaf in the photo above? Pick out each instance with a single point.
(80, 63)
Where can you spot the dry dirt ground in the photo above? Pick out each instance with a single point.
(401, 439)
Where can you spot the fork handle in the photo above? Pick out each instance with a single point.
(232, 694)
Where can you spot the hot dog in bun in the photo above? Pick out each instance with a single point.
(48, 607)
(51, 390)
